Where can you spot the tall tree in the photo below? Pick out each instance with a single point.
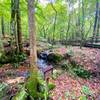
(96, 21)
(54, 22)
(32, 82)
(13, 25)
(16, 24)
(82, 28)
(2, 26)
(98, 24)
(32, 32)
(19, 32)
(69, 19)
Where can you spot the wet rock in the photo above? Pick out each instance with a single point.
(43, 55)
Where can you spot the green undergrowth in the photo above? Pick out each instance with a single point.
(36, 88)
(51, 86)
(76, 69)
(86, 94)
(14, 59)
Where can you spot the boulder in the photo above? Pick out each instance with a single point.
(54, 58)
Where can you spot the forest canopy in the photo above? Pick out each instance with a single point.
(56, 19)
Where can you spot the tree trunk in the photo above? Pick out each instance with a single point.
(69, 21)
(19, 32)
(32, 33)
(82, 30)
(16, 24)
(98, 24)
(13, 26)
(95, 23)
(2, 26)
(12, 17)
(32, 82)
(54, 23)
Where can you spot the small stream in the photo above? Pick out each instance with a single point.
(43, 61)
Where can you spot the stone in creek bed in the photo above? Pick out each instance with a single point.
(48, 71)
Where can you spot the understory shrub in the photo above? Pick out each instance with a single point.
(3, 90)
(85, 94)
(13, 59)
(65, 65)
(81, 72)
(76, 69)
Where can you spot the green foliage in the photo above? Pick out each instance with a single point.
(70, 53)
(22, 95)
(32, 84)
(20, 57)
(51, 86)
(82, 72)
(76, 70)
(65, 66)
(83, 98)
(1, 65)
(3, 90)
(13, 59)
(37, 87)
(67, 94)
(45, 17)
(17, 58)
(4, 59)
(86, 90)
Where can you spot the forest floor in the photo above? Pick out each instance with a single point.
(90, 59)
(65, 83)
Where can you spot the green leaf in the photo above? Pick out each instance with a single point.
(82, 98)
(86, 90)
(22, 95)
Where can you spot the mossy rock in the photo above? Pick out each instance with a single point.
(54, 58)
(35, 86)
(32, 85)
(34, 89)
